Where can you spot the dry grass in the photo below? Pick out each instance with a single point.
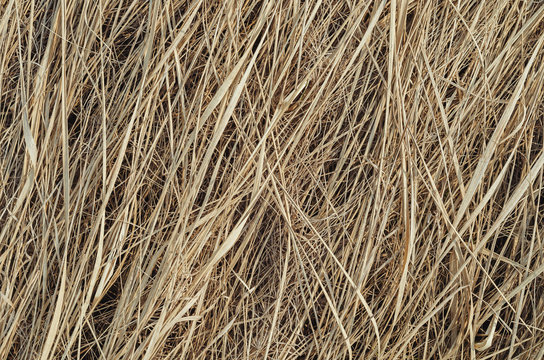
(327, 179)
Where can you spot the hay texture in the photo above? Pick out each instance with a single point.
(277, 179)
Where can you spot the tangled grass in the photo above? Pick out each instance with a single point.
(290, 179)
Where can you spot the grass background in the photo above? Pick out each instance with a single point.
(290, 179)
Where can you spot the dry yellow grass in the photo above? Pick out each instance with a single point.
(277, 179)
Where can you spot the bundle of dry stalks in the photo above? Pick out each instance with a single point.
(326, 179)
